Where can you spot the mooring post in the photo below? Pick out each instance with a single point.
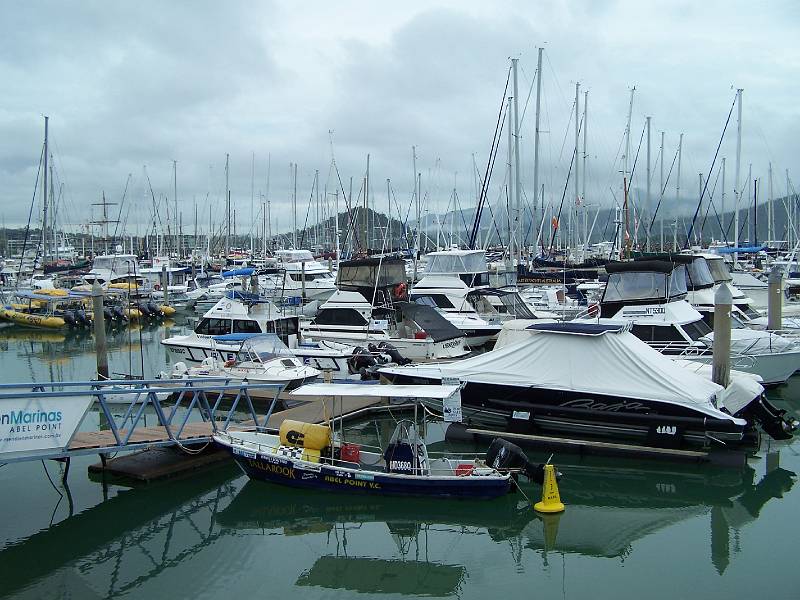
(99, 331)
(721, 368)
(303, 280)
(165, 284)
(254, 283)
(775, 302)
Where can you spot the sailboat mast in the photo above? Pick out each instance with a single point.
(294, 206)
(736, 190)
(722, 201)
(771, 206)
(227, 209)
(416, 199)
(677, 195)
(175, 199)
(517, 225)
(647, 187)
(44, 195)
(536, 138)
(577, 202)
(583, 182)
(661, 190)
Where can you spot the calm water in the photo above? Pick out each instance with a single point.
(631, 529)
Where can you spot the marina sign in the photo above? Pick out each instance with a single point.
(39, 425)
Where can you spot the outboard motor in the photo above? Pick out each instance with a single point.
(505, 456)
(361, 359)
(393, 353)
(144, 308)
(81, 318)
(772, 419)
(108, 314)
(155, 310)
(119, 314)
(69, 318)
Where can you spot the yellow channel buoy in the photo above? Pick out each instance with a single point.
(551, 499)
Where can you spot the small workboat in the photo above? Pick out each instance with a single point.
(311, 456)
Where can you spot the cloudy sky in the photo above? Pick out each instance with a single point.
(130, 87)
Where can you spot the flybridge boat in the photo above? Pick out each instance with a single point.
(267, 360)
(600, 381)
(297, 273)
(651, 295)
(311, 456)
(114, 268)
(418, 332)
(240, 313)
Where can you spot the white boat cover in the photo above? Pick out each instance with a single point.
(612, 364)
(346, 390)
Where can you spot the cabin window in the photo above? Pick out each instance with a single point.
(719, 270)
(667, 333)
(283, 328)
(699, 273)
(213, 327)
(697, 329)
(433, 300)
(339, 316)
(246, 327)
(475, 279)
(636, 286)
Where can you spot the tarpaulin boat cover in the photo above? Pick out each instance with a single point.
(434, 324)
(613, 364)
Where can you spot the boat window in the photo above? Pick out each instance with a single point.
(718, 270)
(213, 327)
(677, 282)
(696, 329)
(636, 286)
(667, 333)
(434, 300)
(643, 332)
(246, 327)
(299, 276)
(339, 316)
(287, 362)
(475, 279)
(283, 328)
(699, 273)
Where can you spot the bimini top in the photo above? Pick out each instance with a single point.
(618, 365)
(636, 266)
(577, 328)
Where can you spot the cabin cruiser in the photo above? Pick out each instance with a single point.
(297, 273)
(599, 380)
(418, 332)
(241, 313)
(114, 268)
(266, 360)
(651, 295)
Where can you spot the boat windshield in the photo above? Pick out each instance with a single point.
(699, 273)
(645, 285)
(265, 347)
(718, 270)
(696, 329)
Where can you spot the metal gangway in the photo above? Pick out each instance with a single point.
(188, 412)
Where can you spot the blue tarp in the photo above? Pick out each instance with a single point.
(740, 250)
(245, 272)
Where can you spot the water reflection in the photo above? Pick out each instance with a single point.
(368, 545)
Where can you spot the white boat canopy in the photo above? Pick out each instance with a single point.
(376, 390)
(608, 361)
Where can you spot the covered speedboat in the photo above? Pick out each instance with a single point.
(600, 380)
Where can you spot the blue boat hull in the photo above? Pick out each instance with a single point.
(285, 471)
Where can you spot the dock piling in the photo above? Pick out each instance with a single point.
(721, 367)
(99, 331)
(775, 301)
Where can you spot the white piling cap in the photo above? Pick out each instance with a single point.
(723, 295)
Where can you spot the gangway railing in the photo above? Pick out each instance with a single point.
(188, 411)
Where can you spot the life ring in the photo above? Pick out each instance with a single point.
(157, 287)
(400, 290)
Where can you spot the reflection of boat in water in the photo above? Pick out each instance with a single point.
(609, 508)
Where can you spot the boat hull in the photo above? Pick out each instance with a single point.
(300, 474)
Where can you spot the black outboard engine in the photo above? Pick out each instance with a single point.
(155, 310)
(772, 419)
(361, 359)
(387, 348)
(119, 314)
(81, 318)
(505, 456)
(144, 308)
(69, 318)
(108, 314)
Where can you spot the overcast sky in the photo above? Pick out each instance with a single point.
(135, 85)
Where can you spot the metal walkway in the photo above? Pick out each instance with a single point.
(187, 411)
